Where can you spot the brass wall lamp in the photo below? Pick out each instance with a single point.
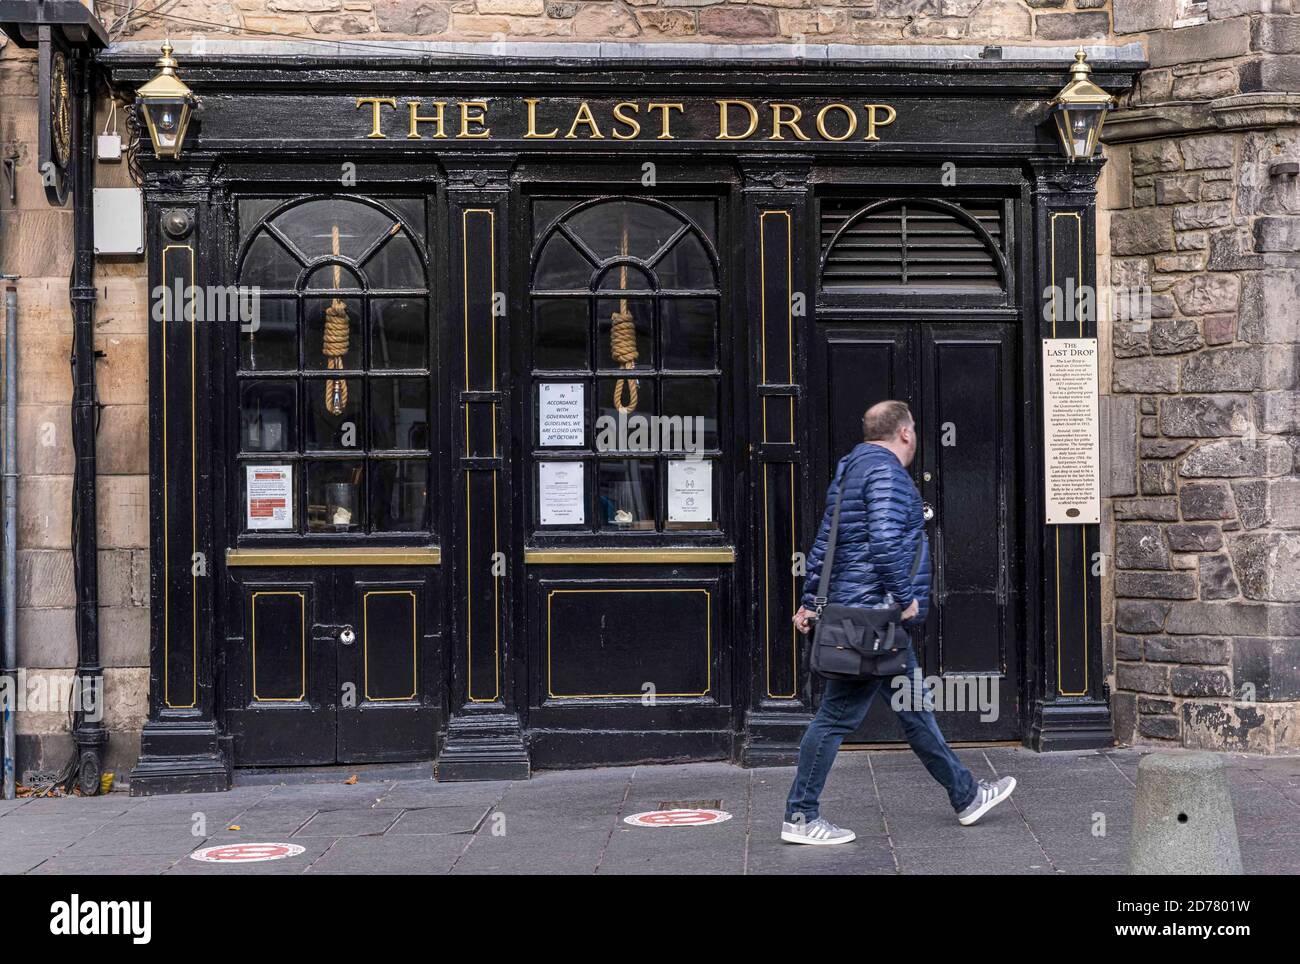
(1079, 111)
(167, 104)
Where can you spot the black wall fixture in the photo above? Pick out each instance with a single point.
(67, 36)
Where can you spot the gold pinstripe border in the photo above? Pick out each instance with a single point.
(469, 541)
(1056, 288)
(767, 548)
(302, 625)
(194, 524)
(708, 645)
(365, 644)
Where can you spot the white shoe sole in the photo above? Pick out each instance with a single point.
(971, 818)
(789, 837)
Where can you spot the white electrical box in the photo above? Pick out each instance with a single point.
(119, 220)
(108, 147)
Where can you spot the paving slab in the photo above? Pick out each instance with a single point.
(104, 865)
(363, 822)
(439, 821)
(398, 820)
(390, 855)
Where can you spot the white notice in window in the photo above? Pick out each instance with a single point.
(690, 490)
(560, 497)
(270, 496)
(1071, 471)
(560, 418)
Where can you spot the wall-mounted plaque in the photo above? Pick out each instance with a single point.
(690, 490)
(560, 414)
(560, 494)
(1071, 459)
(269, 503)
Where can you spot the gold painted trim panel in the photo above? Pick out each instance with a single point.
(431, 556)
(555, 557)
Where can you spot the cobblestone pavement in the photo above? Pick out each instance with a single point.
(397, 820)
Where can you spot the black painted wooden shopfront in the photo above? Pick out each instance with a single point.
(438, 247)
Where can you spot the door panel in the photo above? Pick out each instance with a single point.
(864, 365)
(629, 644)
(958, 380)
(333, 656)
(968, 450)
(280, 671)
(388, 713)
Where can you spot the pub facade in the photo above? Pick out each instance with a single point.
(492, 389)
(551, 365)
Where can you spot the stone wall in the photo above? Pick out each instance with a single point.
(36, 244)
(1205, 523)
(847, 21)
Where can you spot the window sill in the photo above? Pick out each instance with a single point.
(336, 556)
(647, 555)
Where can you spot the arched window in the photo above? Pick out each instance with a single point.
(625, 316)
(334, 375)
(918, 246)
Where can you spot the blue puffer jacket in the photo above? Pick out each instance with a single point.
(880, 521)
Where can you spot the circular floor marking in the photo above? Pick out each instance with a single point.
(677, 818)
(246, 853)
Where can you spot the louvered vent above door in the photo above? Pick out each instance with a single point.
(912, 245)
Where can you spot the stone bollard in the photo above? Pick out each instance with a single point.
(1182, 817)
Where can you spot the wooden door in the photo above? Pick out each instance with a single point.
(959, 382)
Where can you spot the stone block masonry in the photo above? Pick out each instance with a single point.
(1206, 590)
(735, 21)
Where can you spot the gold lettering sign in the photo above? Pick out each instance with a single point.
(725, 119)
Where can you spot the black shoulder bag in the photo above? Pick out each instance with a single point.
(855, 642)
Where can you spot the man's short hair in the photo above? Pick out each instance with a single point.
(883, 420)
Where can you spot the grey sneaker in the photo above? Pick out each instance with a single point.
(820, 832)
(987, 796)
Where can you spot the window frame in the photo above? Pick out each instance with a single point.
(534, 236)
(360, 379)
(1006, 251)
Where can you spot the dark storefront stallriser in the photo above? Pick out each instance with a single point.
(462, 569)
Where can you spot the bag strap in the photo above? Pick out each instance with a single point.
(916, 556)
(824, 583)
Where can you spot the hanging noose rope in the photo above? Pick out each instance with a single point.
(622, 344)
(338, 330)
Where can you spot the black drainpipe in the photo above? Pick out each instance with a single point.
(88, 733)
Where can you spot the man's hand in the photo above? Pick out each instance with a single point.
(911, 611)
(803, 620)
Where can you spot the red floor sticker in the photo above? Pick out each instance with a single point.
(677, 818)
(246, 853)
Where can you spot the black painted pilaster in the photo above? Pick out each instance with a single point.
(778, 285)
(1069, 705)
(179, 747)
(484, 735)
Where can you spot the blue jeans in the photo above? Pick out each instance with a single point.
(844, 706)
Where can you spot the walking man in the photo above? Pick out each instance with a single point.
(880, 521)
